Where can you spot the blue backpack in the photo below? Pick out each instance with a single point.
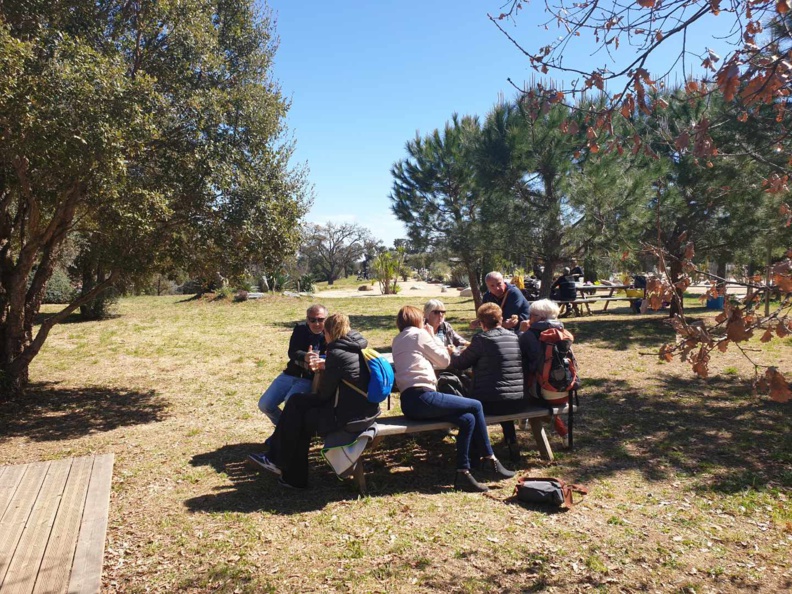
(381, 377)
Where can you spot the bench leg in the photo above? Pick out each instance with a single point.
(542, 443)
(359, 477)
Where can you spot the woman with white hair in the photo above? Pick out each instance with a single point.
(434, 313)
(543, 315)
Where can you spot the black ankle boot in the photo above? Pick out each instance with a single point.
(494, 466)
(464, 481)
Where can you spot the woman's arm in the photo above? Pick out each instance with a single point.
(436, 354)
(470, 355)
(332, 376)
(456, 339)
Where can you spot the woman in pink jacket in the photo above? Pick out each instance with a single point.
(416, 355)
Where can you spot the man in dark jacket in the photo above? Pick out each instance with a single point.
(494, 355)
(306, 344)
(512, 302)
(308, 414)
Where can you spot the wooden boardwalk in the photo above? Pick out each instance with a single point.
(53, 518)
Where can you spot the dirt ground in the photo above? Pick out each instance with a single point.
(428, 290)
(410, 288)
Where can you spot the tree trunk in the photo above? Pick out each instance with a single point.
(547, 280)
(474, 284)
(675, 271)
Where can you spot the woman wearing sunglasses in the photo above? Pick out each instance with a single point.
(434, 314)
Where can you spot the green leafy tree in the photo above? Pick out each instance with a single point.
(435, 195)
(154, 131)
(332, 249)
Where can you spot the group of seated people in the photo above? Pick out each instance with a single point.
(504, 358)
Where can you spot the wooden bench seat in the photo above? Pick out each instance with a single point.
(401, 425)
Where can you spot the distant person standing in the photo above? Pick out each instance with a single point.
(513, 304)
(577, 271)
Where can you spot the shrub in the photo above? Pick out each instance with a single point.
(306, 283)
(59, 288)
(225, 293)
(101, 307)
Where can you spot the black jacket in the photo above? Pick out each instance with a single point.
(495, 358)
(531, 350)
(301, 339)
(345, 362)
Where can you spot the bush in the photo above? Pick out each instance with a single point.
(102, 307)
(306, 283)
(59, 288)
(225, 293)
(459, 277)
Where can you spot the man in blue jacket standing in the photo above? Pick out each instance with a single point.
(509, 298)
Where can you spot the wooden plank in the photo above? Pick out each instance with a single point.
(86, 573)
(16, 515)
(545, 451)
(22, 570)
(53, 575)
(401, 425)
(10, 477)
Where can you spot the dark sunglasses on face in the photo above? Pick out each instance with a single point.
(317, 320)
(438, 311)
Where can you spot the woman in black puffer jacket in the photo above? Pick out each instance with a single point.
(307, 414)
(495, 357)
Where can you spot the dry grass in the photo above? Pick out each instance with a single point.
(690, 479)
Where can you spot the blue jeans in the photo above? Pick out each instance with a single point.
(279, 391)
(465, 413)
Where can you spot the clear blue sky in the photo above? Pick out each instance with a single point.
(364, 77)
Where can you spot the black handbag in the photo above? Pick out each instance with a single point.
(547, 491)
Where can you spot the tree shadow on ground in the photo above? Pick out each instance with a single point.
(49, 413)
(73, 318)
(405, 464)
(712, 429)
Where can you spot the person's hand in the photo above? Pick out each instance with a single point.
(451, 349)
(475, 324)
(524, 325)
(317, 364)
(511, 322)
(429, 329)
(311, 355)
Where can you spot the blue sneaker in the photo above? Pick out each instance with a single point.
(261, 461)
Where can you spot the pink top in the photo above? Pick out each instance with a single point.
(416, 354)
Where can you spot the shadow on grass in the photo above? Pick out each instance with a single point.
(73, 318)
(711, 429)
(49, 413)
(403, 464)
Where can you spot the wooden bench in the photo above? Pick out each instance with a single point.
(53, 518)
(401, 425)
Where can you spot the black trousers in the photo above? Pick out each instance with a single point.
(506, 407)
(303, 416)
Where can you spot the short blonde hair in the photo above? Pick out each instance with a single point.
(545, 309)
(409, 315)
(490, 315)
(336, 326)
(432, 305)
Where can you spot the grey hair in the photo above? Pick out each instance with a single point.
(494, 275)
(545, 309)
(431, 305)
(316, 307)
